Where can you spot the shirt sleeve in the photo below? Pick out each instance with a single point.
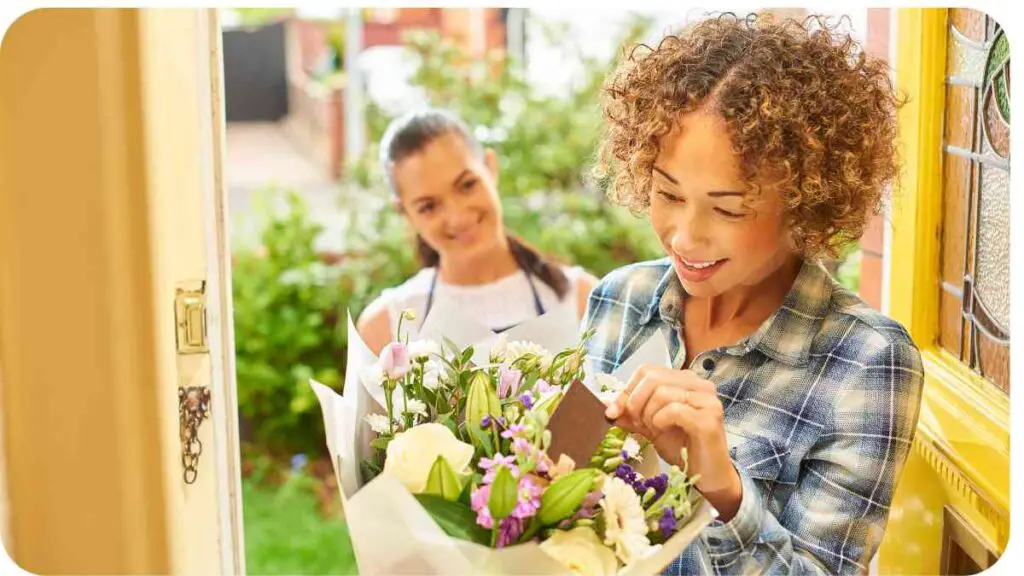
(834, 521)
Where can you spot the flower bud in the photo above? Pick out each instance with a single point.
(394, 360)
(482, 399)
(565, 495)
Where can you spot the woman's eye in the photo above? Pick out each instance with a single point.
(469, 184)
(426, 208)
(730, 215)
(668, 197)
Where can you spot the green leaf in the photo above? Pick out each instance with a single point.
(467, 355)
(503, 494)
(482, 439)
(382, 442)
(467, 490)
(369, 470)
(450, 423)
(457, 520)
(442, 480)
(450, 346)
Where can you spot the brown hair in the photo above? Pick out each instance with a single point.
(807, 110)
(409, 134)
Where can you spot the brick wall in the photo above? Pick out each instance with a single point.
(872, 241)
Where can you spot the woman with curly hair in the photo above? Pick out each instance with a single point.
(755, 147)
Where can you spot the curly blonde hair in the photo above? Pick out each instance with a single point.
(808, 111)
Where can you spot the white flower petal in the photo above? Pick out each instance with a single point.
(625, 527)
(424, 349)
(378, 423)
(416, 406)
(631, 447)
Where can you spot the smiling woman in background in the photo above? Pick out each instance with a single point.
(446, 185)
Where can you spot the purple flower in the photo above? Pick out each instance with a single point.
(394, 360)
(509, 531)
(543, 387)
(527, 399)
(528, 499)
(667, 523)
(508, 382)
(521, 445)
(502, 422)
(543, 463)
(588, 508)
(491, 466)
(485, 421)
(478, 501)
(626, 473)
(514, 430)
(591, 500)
(659, 483)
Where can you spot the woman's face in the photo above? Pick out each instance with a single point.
(719, 234)
(449, 193)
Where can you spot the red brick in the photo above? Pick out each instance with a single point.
(872, 241)
(871, 280)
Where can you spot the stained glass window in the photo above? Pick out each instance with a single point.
(975, 288)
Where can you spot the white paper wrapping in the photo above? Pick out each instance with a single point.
(390, 532)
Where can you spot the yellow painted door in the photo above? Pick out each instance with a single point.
(950, 286)
(110, 202)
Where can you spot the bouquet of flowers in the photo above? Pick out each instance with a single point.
(459, 470)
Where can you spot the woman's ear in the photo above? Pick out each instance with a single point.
(491, 160)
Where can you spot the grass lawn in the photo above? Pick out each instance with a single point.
(286, 533)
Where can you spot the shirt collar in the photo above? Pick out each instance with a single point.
(785, 336)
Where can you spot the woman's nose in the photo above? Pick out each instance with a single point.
(689, 233)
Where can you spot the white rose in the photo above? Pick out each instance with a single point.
(412, 453)
(581, 551)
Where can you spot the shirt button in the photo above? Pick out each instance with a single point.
(708, 364)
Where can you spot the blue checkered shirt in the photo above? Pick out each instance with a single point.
(821, 405)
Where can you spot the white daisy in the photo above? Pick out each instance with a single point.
(517, 349)
(499, 349)
(378, 423)
(419, 349)
(416, 406)
(431, 375)
(625, 528)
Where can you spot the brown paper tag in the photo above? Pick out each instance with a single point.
(578, 425)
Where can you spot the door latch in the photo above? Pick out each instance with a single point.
(190, 317)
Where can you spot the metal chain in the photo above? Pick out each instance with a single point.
(193, 408)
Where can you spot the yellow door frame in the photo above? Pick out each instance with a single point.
(961, 454)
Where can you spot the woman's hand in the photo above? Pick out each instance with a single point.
(677, 409)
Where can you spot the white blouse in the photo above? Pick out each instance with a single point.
(498, 304)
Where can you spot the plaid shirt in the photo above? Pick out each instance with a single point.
(821, 405)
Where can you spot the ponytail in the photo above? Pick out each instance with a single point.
(529, 258)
